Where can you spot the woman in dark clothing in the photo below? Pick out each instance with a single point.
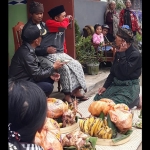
(122, 84)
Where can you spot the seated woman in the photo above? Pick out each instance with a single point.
(27, 107)
(122, 84)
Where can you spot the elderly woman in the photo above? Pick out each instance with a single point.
(111, 18)
(122, 84)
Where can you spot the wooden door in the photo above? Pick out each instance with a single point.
(69, 8)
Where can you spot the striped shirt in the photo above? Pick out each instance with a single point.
(26, 146)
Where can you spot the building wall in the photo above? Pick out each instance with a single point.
(17, 11)
(89, 12)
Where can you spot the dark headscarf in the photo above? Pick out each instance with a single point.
(125, 33)
(36, 7)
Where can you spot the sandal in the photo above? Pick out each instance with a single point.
(81, 98)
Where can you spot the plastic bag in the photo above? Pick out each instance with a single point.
(122, 119)
(50, 136)
(56, 107)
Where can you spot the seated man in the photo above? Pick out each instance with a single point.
(25, 64)
(105, 29)
(52, 48)
(122, 84)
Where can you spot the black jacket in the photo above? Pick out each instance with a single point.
(25, 65)
(126, 66)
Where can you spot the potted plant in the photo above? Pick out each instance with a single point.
(87, 55)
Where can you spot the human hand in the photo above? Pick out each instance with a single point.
(55, 76)
(51, 50)
(69, 17)
(101, 90)
(58, 64)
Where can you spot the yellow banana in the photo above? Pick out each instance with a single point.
(101, 132)
(101, 124)
(105, 135)
(96, 128)
(86, 129)
(108, 130)
(91, 119)
(81, 123)
(93, 126)
(109, 135)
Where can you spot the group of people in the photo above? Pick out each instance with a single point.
(112, 20)
(40, 59)
(125, 17)
(36, 65)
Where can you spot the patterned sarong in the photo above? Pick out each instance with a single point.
(71, 74)
(121, 91)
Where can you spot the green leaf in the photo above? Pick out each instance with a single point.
(123, 136)
(69, 148)
(92, 140)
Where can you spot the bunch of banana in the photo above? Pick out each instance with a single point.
(95, 127)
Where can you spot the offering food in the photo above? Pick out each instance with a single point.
(103, 105)
(79, 141)
(96, 127)
(56, 107)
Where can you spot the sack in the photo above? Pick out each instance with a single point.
(88, 30)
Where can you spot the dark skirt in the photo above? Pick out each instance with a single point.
(122, 92)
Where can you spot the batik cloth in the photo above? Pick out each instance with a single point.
(71, 74)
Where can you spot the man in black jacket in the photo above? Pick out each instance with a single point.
(25, 64)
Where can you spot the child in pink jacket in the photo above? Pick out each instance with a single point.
(98, 35)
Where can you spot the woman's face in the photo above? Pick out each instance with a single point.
(99, 30)
(112, 6)
(128, 4)
(118, 41)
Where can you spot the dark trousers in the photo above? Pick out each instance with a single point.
(46, 85)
